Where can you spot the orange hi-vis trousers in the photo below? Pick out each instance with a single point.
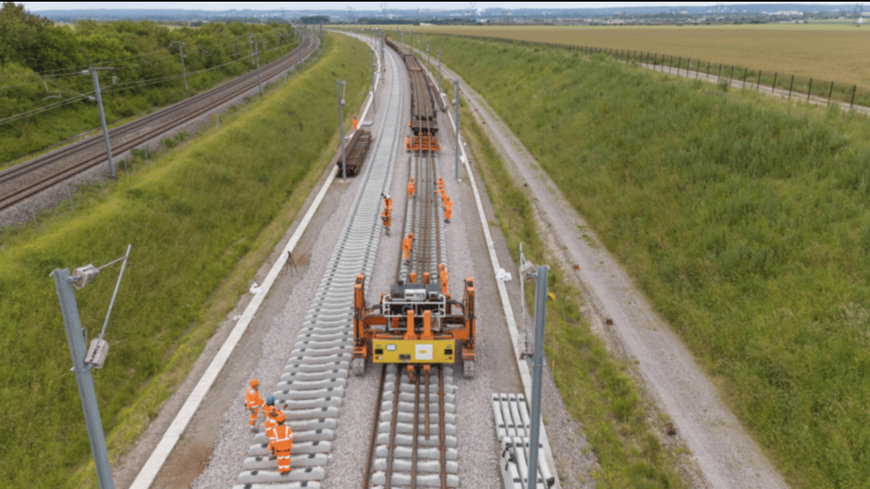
(283, 445)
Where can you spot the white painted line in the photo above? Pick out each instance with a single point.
(164, 448)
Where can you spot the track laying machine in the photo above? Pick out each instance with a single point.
(416, 323)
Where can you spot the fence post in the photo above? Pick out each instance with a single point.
(743, 86)
(758, 82)
(671, 64)
(708, 68)
(679, 64)
(830, 92)
(773, 90)
(810, 90)
(697, 68)
(790, 86)
(719, 75)
(731, 77)
(852, 103)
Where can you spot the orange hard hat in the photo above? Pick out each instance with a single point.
(255, 382)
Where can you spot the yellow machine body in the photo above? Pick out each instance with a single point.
(413, 351)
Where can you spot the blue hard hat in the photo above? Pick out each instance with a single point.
(270, 400)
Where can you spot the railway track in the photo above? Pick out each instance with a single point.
(313, 382)
(27, 179)
(413, 441)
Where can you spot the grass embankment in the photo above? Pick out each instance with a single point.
(595, 387)
(746, 222)
(201, 221)
(824, 53)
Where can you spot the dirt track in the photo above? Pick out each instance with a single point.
(722, 454)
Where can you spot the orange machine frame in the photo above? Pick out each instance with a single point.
(432, 318)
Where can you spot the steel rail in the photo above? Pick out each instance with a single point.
(73, 159)
(315, 376)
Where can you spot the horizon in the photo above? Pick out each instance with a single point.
(375, 6)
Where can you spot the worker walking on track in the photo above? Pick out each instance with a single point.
(355, 123)
(387, 214)
(407, 143)
(448, 209)
(253, 402)
(282, 446)
(270, 415)
(411, 189)
(406, 245)
(442, 275)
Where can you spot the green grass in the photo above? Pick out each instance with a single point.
(201, 220)
(746, 221)
(824, 53)
(596, 388)
(40, 133)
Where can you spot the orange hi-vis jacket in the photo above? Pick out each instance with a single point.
(443, 277)
(253, 398)
(406, 245)
(283, 445)
(411, 189)
(270, 413)
(253, 401)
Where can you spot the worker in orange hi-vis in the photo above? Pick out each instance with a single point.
(387, 214)
(407, 143)
(441, 185)
(411, 189)
(253, 402)
(355, 123)
(406, 245)
(442, 274)
(448, 209)
(283, 443)
(270, 416)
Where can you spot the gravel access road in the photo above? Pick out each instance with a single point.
(722, 454)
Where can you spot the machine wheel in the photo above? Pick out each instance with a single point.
(358, 367)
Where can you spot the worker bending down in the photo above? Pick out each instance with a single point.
(253, 402)
(411, 189)
(270, 418)
(283, 444)
(387, 214)
(406, 245)
(448, 209)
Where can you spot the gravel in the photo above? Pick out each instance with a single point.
(220, 427)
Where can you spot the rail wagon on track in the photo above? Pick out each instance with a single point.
(424, 115)
(357, 149)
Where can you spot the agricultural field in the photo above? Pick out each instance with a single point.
(823, 51)
(744, 219)
(201, 220)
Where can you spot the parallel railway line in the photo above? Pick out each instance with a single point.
(27, 179)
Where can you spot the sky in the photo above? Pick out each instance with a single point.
(39, 6)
